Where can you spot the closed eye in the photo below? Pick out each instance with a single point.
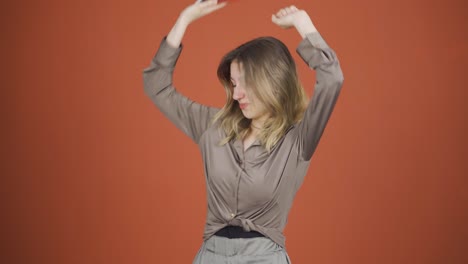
(233, 85)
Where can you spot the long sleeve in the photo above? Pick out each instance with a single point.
(190, 117)
(329, 79)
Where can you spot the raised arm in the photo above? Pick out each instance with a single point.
(190, 117)
(329, 77)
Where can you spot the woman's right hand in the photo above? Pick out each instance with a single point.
(199, 9)
(190, 14)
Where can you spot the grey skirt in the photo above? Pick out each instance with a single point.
(257, 250)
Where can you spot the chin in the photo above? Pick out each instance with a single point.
(246, 115)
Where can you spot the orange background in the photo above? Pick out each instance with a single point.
(93, 173)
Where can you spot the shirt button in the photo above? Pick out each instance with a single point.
(232, 215)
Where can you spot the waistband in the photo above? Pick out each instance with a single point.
(237, 232)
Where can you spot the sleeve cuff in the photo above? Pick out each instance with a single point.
(316, 40)
(309, 46)
(167, 55)
(313, 39)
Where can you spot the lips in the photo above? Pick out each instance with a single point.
(243, 106)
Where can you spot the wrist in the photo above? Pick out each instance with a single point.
(304, 24)
(174, 38)
(183, 21)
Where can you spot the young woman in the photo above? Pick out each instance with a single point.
(257, 148)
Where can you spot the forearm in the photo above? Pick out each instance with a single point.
(175, 36)
(190, 117)
(329, 79)
(304, 25)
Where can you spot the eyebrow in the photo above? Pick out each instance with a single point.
(241, 77)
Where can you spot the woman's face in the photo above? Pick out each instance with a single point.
(251, 107)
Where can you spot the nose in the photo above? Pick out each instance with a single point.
(238, 93)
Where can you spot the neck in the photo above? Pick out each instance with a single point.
(256, 126)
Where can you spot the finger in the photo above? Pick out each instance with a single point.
(275, 19)
(210, 9)
(210, 6)
(281, 12)
(207, 3)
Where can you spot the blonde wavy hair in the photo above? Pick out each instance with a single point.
(270, 73)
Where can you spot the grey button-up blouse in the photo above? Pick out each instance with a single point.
(253, 188)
